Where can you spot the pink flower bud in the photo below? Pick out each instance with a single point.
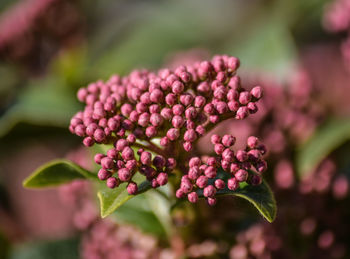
(127, 153)
(156, 96)
(146, 158)
(219, 184)
(82, 94)
(255, 180)
(124, 174)
(257, 92)
(151, 131)
(190, 124)
(199, 101)
(252, 107)
(186, 186)
(131, 165)
(209, 109)
(215, 139)
(99, 135)
(178, 109)
(180, 194)
(214, 119)
(233, 106)
(209, 191)
(131, 138)
(252, 142)
(121, 144)
(166, 113)
(170, 99)
(132, 188)
(194, 161)
(241, 156)
(171, 163)
(254, 155)
(103, 174)
(228, 155)
(232, 184)
(211, 201)
(200, 130)
(186, 99)
(190, 135)
(233, 64)
(144, 119)
(261, 166)
(164, 141)
(141, 107)
(107, 163)
(112, 153)
(194, 173)
(90, 129)
(192, 197)
(177, 87)
(156, 119)
(219, 148)
(113, 124)
(173, 134)
(185, 77)
(98, 158)
(211, 161)
(242, 113)
(126, 109)
(244, 97)
(162, 179)
(241, 175)
(177, 121)
(210, 172)
(203, 87)
(232, 95)
(191, 113)
(187, 146)
(202, 181)
(228, 140)
(145, 98)
(112, 182)
(159, 162)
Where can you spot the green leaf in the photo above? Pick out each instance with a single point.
(325, 140)
(260, 196)
(112, 199)
(140, 212)
(68, 249)
(55, 173)
(44, 102)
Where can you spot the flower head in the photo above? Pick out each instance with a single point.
(175, 107)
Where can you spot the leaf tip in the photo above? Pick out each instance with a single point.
(103, 212)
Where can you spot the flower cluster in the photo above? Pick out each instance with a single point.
(28, 27)
(107, 240)
(337, 18)
(289, 115)
(201, 175)
(174, 107)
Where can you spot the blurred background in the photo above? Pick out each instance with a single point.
(298, 50)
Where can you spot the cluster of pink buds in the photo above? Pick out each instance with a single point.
(121, 162)
(203, 175)
(29, 28)
(161, 113)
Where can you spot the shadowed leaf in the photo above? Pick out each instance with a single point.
(55, 173)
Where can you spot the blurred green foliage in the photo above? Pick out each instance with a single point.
(58, 249)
